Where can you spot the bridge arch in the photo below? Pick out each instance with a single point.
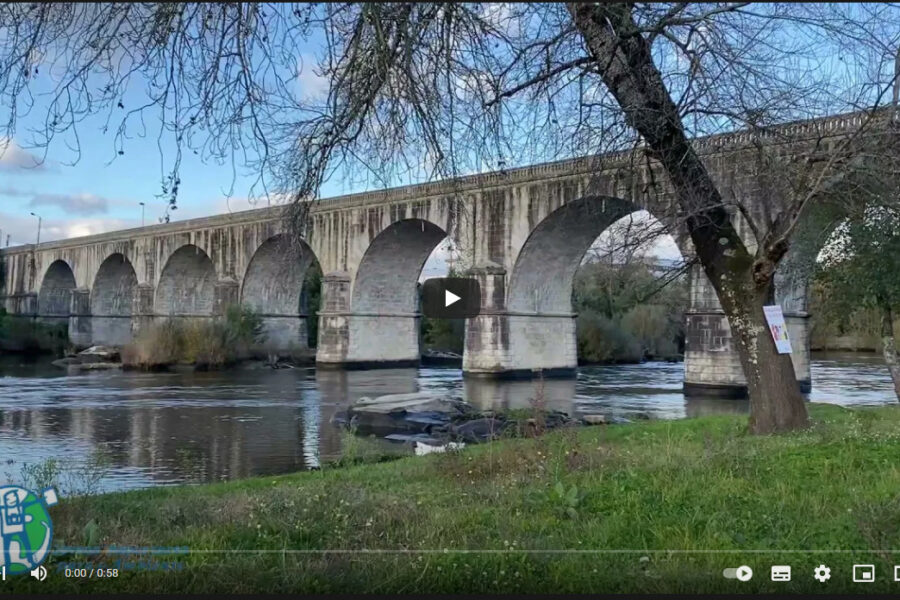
(112, 301)
(187, 284)
(389, 270)
(375, 320)
(55, 294)
(273, 285)
(531, 326)
(544, 271)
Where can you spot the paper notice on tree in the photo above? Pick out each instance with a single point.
(778, 328)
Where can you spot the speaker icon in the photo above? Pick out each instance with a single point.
(40, 573)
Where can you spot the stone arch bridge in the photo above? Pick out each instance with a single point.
(522, 233)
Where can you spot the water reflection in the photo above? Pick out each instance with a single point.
(158, 429)
(549, 394)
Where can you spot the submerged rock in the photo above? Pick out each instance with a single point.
(99, 354)
(481, 430)
(64, 363)
(419, 412)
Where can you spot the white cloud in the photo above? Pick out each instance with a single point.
(77, 204)
(14, 159)
(22, 229)
(310, 83)
(501, 16)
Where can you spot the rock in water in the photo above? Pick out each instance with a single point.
(99, 354)
(479, 430)
(418, 412)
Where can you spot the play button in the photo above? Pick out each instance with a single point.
(451, 298)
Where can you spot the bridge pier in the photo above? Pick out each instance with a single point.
(516, 344)
(142, 312)
(350, 340)
(283, 333)
(80, 318)
(712, 366)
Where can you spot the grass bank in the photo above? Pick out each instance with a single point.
(643, 507)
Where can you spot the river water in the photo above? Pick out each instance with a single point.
(150, 429)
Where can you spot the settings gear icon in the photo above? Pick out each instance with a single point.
(822, 573)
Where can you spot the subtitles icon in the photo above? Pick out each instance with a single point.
(781, 573)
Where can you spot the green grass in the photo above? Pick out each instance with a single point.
(675, 502)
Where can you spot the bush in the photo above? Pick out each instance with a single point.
(625, 315)
(206, 343)
(310, 303)
(444, 334)
(158, 345)
(31, 336)
(601, 339)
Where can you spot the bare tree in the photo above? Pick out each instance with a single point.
(427, 90)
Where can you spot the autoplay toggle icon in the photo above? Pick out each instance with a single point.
(451, 298)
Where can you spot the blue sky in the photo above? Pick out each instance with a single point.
(103, 190)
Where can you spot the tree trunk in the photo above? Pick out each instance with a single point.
(742, 282)
(888, 346)
(776, 403)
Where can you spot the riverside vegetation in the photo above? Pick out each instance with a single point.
(625, 315)
(31, 337)
(599, 509)
(206, 343)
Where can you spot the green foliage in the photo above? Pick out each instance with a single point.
(566, 500)
(358, 450)
(70, 477)
(861, 265)
(858, 276)
(601, 339)
(41, 475)
(90, 534)
(444, 334)
(31, 336)
(624, 315)
(311, 302)
(242, 325)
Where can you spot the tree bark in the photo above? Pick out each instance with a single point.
(888, 345)
(743, 282)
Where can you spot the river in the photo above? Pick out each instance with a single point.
(150, 429)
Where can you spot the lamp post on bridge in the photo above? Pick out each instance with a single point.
(39, 227)
(142, 214)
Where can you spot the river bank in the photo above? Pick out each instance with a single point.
(615, 508)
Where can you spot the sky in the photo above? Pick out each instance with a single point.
(100, 190)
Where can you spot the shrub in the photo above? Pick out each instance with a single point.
(207, 343)
(444, 334)
(156, 346)
(31, 336)
(601, 339)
